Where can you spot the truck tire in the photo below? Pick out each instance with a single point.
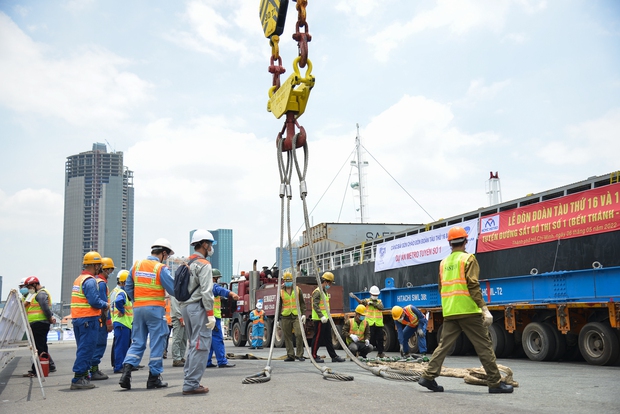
(390, 339)
(560, 343)
(598, 344)
(279, 341)
(267, 332)
(498, 339)
(249, 333)
(335, 342)
(237, 336)
(413, 344)
(539, 341)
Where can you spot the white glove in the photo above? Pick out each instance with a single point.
(487, 318)
(278, 325)
(324, 319)
(211, 323)
(420, 332)
(351, 295)
(367, 342)
(354, 338)
(303, 319)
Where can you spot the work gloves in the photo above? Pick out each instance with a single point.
(324, 319)
(367, 342)
(278, 325)
(420, 332)
(487, 318)
(354, 337)
(303, 319)
(211, 322)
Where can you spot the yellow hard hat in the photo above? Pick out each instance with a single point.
(361, 309)
(397, 311)
(108, 263)
(287, 276)
(122, 275)
(328, 276)
(92, 258)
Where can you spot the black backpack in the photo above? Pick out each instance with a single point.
(181, 282)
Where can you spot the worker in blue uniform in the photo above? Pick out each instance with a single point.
(86, 308)
(105, 324)
(217, 336)
(146, 284)
(410, 321)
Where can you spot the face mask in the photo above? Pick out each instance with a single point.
(362, 318)
(374, 297)
(23, 291)
(210, 253)
(31, 291)
(327, 287)
(288, 284)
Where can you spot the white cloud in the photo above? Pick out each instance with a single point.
(517, 38)
(218, 34)
(359, 7)
(587, 142)
(479, 91)
(85, 88)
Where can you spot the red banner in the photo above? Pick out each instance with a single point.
(576, 215)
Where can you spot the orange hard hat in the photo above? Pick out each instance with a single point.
(457, 235)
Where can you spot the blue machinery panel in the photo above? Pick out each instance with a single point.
(591, 285)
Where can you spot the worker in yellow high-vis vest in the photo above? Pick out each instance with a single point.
(320, 317)
(356, 333)
(40, 317)
(289, 322)
(463, 310)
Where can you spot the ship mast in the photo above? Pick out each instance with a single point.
(361, 165)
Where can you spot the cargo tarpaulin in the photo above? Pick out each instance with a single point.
(426, 247)
(582, 214)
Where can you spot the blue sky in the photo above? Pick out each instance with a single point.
(443, 91)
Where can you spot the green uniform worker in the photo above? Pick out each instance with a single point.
(463, 310)
(289, 322)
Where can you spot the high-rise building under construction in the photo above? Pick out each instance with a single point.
(99, 210)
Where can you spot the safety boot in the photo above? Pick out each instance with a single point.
(502, 388)
(81, 383)
(430, 384)
(155, 381)
(97, 375)
(125, 381)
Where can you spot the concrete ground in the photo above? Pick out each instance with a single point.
(295, 387)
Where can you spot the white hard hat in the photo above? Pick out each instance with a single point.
(161, 242)
(22, 282)
(374, 290)
(202, 234)
(259, 305)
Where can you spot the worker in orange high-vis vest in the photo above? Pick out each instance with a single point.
(463, 310)
(86, 308)
(149, 280)
(105, 324)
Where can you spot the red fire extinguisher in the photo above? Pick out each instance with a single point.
(44, 358)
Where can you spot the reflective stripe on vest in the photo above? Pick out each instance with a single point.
(455, 298)
(35, 313)
(217, 307)
(322, 305)
(356, 329)
(261, 317)
(413, 319)
(80, 308)
(373, 315)
(168, 317)
(289, 307)
(148, 290)
(125, 319)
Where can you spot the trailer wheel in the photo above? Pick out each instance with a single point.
(598, 344)
(390, 339)
(335, 342)
(237, 336)
(539, 341)
(413, 344)
(560, 343)
(280, 338)
(249, 333)
(498, 339)
(267, 332)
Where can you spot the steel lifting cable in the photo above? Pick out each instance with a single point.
(379, 371)
(285, 171)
